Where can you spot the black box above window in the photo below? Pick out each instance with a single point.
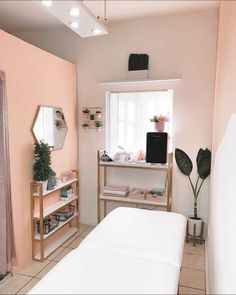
(138, 62)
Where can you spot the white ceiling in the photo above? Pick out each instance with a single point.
(17, 16)
(123, 9)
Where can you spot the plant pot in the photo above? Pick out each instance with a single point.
(98, 115)
(160, 126)
(99, 129)
(86, 116)
(198, 223)
(44, 186)
(86, 129)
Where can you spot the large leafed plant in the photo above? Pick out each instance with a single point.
(185, 165)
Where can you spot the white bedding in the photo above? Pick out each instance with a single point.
(132, 251)
(140, 233)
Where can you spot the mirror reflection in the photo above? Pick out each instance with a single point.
(50, 126)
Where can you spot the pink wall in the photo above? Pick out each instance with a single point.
(34, 77)
(225, 102)
(221, 241)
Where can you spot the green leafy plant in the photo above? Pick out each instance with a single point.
(98, 124)
(42, 156)
(185, 165)
(85, 125)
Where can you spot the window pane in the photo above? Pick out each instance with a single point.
(129, 118)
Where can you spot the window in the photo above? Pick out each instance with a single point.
(129, 117)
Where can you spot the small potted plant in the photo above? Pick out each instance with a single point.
(98, 114)
(86, 113)
(185, 165)
(41, 167)
(92, 117)
(159, 122)
(85, 126)
(98, 125)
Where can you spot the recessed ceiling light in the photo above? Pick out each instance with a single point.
(74, 25)
(74, 11)
(46, 3)
(96, 31)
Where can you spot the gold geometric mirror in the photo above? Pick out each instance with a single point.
(50, 126)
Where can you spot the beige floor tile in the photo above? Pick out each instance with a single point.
(67, 243)
(193, 261)
(46, 270)
(82, 228)
(6, 278)
(75, 243)
(62, 254)
(33, 269)
(198, 249)
(192, 278)
(190, 291)
(14, 284)
(86, 232)
(29, 286)
(55, 254)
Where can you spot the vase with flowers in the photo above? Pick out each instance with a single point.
(159, 122)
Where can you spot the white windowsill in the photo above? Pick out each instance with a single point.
(141, 85)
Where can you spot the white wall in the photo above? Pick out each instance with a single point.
(221, 242)
(178, 46)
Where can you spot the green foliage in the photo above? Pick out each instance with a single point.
(185, 165)
(42, 156)
(183, 162)
(204, 163)
(98, 124)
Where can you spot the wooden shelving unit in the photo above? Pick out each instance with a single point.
(40, 249)
(167, 168)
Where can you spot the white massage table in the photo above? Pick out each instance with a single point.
(132, 251)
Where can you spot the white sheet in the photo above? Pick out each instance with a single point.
(141, 233)
(87, 271)
(131, 251)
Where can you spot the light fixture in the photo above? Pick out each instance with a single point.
(75, 15)
(96, 31)
(74, 11)
(74, 25)
(46, 3)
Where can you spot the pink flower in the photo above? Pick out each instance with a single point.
(159, 118)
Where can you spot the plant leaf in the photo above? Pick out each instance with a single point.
(183, 161)
(204, 163)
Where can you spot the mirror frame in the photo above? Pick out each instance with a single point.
(35, 119)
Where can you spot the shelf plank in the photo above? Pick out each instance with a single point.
(58, 242)
(61, 224)
(133, 201)
(58, 187)
(55, 206)
(135, 165)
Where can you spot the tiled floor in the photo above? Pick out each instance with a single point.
(192, 278)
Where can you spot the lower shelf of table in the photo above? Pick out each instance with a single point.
(61, 224)
(135, 201)
(49, 249)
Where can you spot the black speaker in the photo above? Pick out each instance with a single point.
(156, 149)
